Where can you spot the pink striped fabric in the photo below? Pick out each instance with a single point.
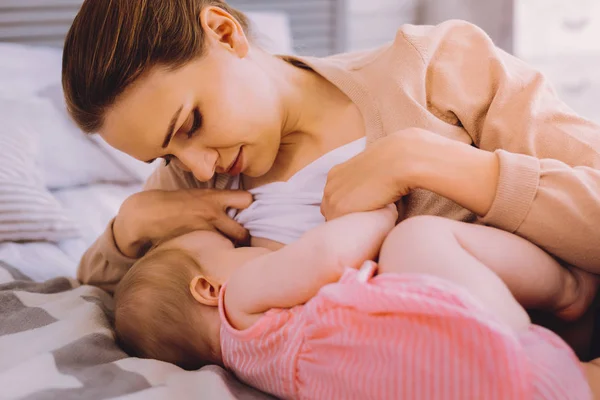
(398, 337)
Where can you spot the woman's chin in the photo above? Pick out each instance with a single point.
(252, 172)
(258, 165)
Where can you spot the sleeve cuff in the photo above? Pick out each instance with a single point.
(103, 265)
(517, 187)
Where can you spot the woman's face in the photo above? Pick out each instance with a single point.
(220, 113)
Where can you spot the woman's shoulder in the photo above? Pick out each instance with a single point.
(413, 42)
(427, 40)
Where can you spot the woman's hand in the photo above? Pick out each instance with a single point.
(378, 176)
(412, 159)
(151, 216)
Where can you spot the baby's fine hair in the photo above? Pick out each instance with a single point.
(154, 310)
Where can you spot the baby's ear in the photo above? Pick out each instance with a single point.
(204, 291)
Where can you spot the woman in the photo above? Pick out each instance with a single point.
(456, 128)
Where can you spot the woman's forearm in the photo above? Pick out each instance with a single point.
(151, 216)
(462, 173)
(103, 264)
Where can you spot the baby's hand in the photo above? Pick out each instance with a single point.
(367, 270)
(391, 210)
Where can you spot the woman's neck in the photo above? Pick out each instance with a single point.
(317, 117)
(304, 95)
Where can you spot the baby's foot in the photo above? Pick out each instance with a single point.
(580, 290)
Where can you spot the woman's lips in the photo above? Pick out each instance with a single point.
(238, 164)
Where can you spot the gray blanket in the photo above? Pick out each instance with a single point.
(56, 342)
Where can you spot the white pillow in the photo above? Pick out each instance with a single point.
(30, 89)
(111, 165)
(25, 70)
(67, 156)
(28, 212)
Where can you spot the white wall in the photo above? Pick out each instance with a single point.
(562, 39)
(373, 22)
(493, 16)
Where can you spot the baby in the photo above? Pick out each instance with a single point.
(304, 322)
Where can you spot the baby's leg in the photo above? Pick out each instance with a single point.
(534, 278)
(425, 245)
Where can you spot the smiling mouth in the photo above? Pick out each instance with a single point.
(236, 166)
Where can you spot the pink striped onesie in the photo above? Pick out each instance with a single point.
(398, 336)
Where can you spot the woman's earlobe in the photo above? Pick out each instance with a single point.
(204, 291)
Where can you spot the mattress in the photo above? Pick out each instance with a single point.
(56, 342)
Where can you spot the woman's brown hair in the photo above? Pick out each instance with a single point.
(112, 42)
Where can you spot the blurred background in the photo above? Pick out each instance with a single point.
(560, 37)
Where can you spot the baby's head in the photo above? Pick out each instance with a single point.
(166, 304)
(156, 315)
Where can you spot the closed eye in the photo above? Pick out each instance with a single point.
(168, 158)
(196, 123)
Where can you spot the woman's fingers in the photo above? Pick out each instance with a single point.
(220, 201)
(231, 228)
(238, 199)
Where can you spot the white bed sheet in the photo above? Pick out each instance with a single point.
(92, 207)
(39, 261)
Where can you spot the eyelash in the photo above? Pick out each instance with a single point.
(196, 124)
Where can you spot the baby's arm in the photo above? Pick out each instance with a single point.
(535, 279)
(476, 256)
(437, 246)
(294, 274)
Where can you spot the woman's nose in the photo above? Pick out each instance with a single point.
(203, 173)
(200, 163)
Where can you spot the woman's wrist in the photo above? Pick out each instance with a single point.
(460, 172)
(129, 238)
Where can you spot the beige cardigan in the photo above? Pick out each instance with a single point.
(451, 79)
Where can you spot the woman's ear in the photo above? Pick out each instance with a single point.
(222, 28)
(204, 291)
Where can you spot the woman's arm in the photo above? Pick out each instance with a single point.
(533, 167)
(104, 264)
(182, 205)
(294, 274)
(546, 157)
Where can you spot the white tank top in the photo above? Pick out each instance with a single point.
(284, 211)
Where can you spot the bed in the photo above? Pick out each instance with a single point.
(58, 190)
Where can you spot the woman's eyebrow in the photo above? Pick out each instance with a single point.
(170, 132)
(171, 128)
